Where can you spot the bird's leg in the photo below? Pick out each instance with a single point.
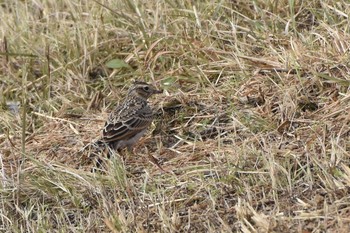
(155, 161)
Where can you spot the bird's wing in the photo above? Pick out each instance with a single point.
(123, 124)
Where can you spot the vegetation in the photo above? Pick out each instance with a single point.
(252, 130)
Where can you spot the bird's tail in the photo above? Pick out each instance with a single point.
(97, 150)
(95, 146)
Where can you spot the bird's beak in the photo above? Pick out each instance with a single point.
(157, 91)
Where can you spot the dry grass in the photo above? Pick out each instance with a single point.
(253, 127)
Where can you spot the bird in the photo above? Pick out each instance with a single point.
(130, 120)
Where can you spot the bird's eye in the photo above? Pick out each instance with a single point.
(146, 88)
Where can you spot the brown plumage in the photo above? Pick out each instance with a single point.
(130, 120)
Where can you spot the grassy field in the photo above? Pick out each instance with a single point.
(252, 130)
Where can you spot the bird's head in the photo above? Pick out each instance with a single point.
(143, 90)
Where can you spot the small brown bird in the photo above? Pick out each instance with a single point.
(130, 120)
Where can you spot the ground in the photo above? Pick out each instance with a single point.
(251, 132)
